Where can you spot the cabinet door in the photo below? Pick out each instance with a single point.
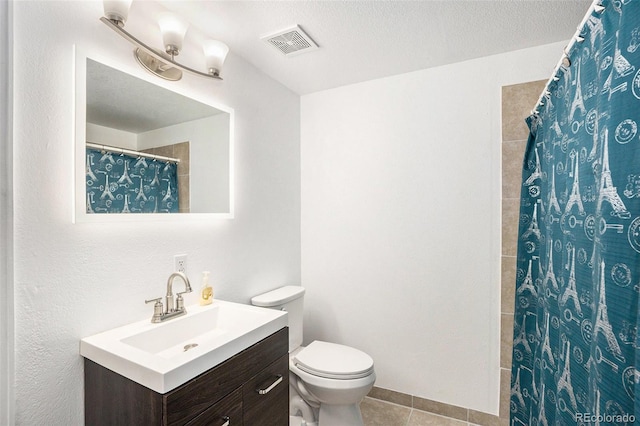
(226, 412)
(111, 399)
(189, 400)
(266, 396)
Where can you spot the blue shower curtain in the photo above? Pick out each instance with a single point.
(575, 347)
(120, 183)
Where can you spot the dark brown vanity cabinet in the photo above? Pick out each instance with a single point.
(251, 389)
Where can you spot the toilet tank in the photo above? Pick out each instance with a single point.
(290, 299)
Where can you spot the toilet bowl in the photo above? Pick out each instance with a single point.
(327, 380)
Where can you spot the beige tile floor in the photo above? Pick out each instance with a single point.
(376, 412)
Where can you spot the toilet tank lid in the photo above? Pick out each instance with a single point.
(278, 296)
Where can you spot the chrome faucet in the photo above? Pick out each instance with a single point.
(169, 310)
(179, 302)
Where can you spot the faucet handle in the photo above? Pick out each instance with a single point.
(157, 309)
(180, 301)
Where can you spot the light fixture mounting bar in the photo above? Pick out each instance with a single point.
(151, 52)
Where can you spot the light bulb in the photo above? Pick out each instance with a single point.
(215, 53)
(173, 30)
(117, 10)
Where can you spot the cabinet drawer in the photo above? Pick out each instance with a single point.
(266, 395)
(189, 400)
(229, 409)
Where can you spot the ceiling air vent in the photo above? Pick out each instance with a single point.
(292, 41)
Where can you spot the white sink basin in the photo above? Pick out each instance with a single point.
(163, 356)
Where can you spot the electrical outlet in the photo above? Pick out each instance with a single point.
(180, 263)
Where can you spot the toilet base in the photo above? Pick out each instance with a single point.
(332, 417)
(301, 413)
(295, 421)
(340, 415)
(299, 421)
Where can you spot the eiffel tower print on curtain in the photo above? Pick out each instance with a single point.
(120, 183)
(575, 337)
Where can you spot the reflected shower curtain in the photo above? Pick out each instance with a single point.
(120, 183)
(575, 348)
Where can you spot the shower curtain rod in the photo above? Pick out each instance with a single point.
(577, 38)
(131, 152)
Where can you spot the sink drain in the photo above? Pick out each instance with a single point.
(190, 346)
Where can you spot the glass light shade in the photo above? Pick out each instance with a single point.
(173, 30)
(117, 10)
(215, 53)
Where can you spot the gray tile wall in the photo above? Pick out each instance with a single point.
(517, 102)
(420, 408)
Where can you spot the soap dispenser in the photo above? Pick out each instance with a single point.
(206, 292)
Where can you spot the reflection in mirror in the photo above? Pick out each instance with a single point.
(151, 150)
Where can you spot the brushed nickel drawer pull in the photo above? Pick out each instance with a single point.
(265, 390)
(227, 421)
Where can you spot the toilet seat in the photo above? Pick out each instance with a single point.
(333, 361)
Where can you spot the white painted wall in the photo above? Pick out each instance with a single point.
(209, 158)
(6, 221)
(73, 280)
(400, 223)
(113, 137)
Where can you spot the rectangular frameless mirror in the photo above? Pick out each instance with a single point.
(143, 150)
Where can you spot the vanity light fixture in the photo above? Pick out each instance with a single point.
(173, 30)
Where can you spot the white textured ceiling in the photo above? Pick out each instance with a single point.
(366, 39)
(121, 101)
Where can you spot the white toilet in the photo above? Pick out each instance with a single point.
(327, 381)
